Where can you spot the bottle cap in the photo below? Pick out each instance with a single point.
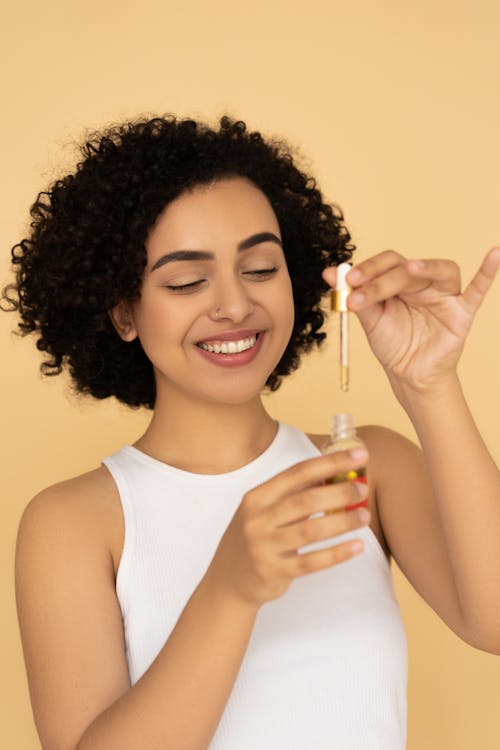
(338, 299)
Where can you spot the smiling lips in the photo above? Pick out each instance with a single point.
(231, 353)
(229, 347)
(230, 342)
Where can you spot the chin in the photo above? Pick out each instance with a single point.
(232, 391)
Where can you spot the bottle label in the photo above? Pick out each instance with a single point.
(356, 475)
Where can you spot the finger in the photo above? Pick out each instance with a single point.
(372, 267)
(304, 474)
(329, 275)
(326, 498)
(475, 293)
(305, 563)
(383, 287)
(444, 275)
(292, 538)
(367, 269)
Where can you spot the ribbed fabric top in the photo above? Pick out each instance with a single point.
(326, 664)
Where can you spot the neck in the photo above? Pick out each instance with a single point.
(205, 438)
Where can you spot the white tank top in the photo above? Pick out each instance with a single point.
(326, 663)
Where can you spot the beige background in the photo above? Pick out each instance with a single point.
(394, 106)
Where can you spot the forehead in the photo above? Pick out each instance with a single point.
(224, 211)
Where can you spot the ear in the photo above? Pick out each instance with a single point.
(123, 320)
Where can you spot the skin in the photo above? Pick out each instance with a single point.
(210, 420)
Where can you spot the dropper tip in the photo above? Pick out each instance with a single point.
(344, 378)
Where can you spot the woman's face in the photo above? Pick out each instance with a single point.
(170, 320)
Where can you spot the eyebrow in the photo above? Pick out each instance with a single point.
(255, 239)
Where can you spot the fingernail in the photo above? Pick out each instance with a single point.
(358, 453)
(357, 547)
(362, 489)
(355, 275)
(364, 515)
(357, 298)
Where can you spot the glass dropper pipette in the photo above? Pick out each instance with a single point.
(338, 302)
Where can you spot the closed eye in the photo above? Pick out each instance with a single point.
(262, 272)
(184, 286)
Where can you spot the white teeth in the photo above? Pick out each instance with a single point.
(231, 347)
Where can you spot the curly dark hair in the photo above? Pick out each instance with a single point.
(86, 249)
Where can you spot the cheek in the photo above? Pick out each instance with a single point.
(158, 326)
(285, 309)
(290, 322)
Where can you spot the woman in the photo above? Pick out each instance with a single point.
(192, 592)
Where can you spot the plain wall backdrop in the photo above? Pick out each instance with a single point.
(393, 106)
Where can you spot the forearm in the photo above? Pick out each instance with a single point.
(466, 485)
(178, 702)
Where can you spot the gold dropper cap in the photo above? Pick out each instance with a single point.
(338, 300)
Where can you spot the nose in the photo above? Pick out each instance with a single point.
(231, 296)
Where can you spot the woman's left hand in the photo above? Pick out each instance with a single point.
(414, 314)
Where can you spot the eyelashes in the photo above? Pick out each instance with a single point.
(262, 273)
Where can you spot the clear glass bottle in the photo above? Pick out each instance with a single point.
(344, 437)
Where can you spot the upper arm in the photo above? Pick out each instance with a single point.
(409, 516)
(69, 617)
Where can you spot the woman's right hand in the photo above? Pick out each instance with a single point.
(257, 557)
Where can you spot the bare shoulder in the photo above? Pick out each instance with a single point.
(95, 483)
(377, 436)
(87, 505)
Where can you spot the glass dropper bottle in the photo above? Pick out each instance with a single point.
(344, 437)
